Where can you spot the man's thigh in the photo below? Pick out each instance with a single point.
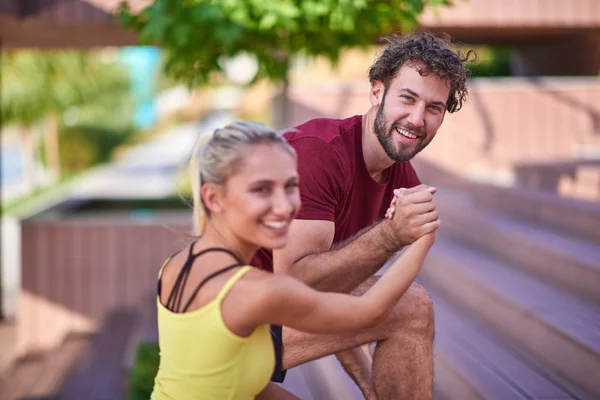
(300, 347)
(413, 310)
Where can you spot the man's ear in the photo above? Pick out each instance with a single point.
(213, 197)
(376, 93)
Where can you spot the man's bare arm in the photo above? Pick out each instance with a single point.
(310, 257)
(333, 269)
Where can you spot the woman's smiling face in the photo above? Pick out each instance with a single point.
(258, 202)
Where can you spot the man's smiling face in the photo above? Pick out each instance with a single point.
(412, 110)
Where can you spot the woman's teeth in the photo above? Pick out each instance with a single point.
(407, 134)
(276, 224)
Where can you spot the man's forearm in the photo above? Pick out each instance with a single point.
(348, 263)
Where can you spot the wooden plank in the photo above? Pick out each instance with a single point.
(488, 382)
(102, 372)
(450, 383)
(8, 337)
(575, 217)
(58, 366)
(22, 377)
(499, 358)
(533, 248)
(533, 316)
(327, 380)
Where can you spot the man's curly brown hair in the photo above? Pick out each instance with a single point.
(433, 54)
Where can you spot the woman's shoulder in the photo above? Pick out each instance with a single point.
(268, 286)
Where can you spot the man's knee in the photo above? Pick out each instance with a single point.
(415, 312)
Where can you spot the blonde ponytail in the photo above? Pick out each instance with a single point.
(195, 172)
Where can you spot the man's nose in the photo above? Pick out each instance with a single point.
(417, 116)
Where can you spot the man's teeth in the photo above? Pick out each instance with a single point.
(276, 224)
(406, 134)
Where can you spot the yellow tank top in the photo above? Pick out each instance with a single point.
(200, 358)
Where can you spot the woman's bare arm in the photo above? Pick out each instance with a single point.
(287, 301)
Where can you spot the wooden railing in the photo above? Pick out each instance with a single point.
(74, 270)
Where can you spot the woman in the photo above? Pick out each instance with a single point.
(214, 310)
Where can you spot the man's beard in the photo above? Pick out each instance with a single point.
(387, 138)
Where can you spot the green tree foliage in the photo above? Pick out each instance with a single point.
(51, 85)
(36, 83)
(492, 61)
(199, 35)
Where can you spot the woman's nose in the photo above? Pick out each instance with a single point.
(282, 204)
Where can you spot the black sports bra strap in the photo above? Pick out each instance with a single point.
(168, 260)
(231, 253)
(177, 291)
(175, 297)
(206, 280)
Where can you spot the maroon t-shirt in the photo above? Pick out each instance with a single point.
(334, 182)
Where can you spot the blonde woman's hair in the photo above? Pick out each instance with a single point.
(218, 155)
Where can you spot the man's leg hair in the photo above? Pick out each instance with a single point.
(358, 364)
(403, 357)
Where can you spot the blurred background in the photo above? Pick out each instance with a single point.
(101, 102)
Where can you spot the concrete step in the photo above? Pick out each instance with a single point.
(474, 363)
(559, 330)
(563, 260)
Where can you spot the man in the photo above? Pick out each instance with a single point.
(348, 172)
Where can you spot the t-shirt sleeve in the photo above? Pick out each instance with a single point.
(323, 176)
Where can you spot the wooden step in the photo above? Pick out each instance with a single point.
(41, 375)
(476, 364)
(559, 330)
(102, 371)
(572, 216)
(8, 340)
(563, 260)
(322, 379)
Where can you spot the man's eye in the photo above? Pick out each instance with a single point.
(261, 189)
(405, 97)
